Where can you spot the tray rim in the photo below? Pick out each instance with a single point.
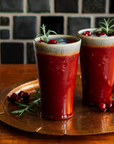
(39, 130)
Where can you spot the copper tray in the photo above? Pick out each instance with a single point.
(86, 120)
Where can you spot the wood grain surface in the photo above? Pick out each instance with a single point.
(10, 74)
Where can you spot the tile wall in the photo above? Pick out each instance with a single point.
(20, 22)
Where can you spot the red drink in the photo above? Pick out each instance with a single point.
(97, 68)
(57, 76)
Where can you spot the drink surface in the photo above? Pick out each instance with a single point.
(57, 76)
(97, 68)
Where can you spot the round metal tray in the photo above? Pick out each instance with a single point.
(86, 120)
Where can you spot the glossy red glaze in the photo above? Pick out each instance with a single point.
(97, 68)
(57, 76)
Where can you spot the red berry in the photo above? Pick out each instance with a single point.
(13, 96)
(102, 33)
(98, 33)
(41, 40)
(19, 99)
(102, 107)
(84, 33)
(52, 41)
(19, 94)
(109, 106)
(70, 41)
(110, 34)
(89, 33)
(25, 96)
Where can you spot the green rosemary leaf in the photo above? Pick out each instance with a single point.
(32, 109)
(48, 33)
(104, 29)
(37, 92)
(111, 21)
(27, 108)
(111, 31)
(21, 112)
(111, 26)
(45, 35)
(103, 23)
(108, 20)
(43, 28)
(18, 111)
(53, 32)
(20, 104)
(30, 112)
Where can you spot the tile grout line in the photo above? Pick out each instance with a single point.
(80, 6)
(107, 7)
(52, 13)
(25, 43)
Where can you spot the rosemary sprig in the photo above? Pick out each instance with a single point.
(27, 108)
(45, 35)
(106, 28)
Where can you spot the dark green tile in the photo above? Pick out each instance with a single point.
(11, 5)
(77, 23)
(93, 6)
(24, 27)
(39, 6)
(66, 6)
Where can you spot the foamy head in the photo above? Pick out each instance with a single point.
(61, 48)
(95, 40)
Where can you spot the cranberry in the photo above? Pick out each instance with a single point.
(110, 34)
(85, 34)
(89, 33)
(70, 41)
(102, 33)
(102, 107)
(52, 41)
(25, 96)
(109, 106)
(41, 40)
(19, 94)
(98, 33)
(13, 96)
(19, 99)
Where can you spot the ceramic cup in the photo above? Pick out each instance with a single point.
(57, 69)
(97, 68)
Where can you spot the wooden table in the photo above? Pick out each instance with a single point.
(10, 74)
